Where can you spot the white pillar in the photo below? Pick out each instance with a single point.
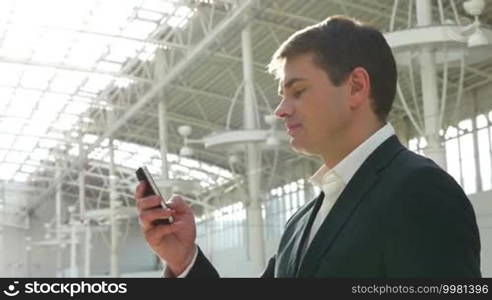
(87, 250)
(58, 210)
(82, 210)
(85, 223)
(113, 198)
(2, 253)
(435, 149)
(73, 246)
(163, 142)
(28, 256)
(209, 232)
(253, 156)
(159, 74)
(478, 173)
(81, 181)
(2, 244)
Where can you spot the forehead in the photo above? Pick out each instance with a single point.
(299, 67)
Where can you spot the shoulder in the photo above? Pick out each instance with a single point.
(413, 171)
(421, 186)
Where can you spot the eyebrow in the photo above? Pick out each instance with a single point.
(288, 84)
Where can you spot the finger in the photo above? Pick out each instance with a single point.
(178, 204)
(148, 202)
(148, 216)
(139, 192)
(155, 234)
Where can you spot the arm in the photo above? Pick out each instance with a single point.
(433, 230)
(204, 269)
(175, 243)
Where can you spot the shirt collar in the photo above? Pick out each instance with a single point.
(347, 167)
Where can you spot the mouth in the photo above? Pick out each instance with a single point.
(292, 128)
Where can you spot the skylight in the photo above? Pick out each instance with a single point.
(56, 56)
(132, 156)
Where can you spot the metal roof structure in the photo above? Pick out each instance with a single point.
(76, 74)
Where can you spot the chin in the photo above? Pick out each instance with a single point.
(299, 148)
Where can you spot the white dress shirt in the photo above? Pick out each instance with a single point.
(332, 186)
(333, 181)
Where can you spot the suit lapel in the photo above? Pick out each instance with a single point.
(362, 182)
(288, 257)
(304, 231)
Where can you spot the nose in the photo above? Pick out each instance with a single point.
(283, 110)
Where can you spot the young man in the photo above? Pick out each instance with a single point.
(383, 211)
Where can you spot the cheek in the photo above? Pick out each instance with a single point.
(330, 114)
(318, 122)
(338, 105)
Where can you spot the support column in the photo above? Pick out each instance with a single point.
(253, 156)
(113, 204)
(28, 256)
(3, 253)
(73, 243)
(58, 210)
(87, 250)
(435, 148)
(159, 74)
(85, 222)
(209, 222)
(478, 173)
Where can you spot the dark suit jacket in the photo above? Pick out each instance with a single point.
(399, 216)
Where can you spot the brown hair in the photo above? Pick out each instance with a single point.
(341, 44)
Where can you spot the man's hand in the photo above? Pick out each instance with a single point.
(173, 243)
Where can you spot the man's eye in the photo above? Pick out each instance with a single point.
(298, 93)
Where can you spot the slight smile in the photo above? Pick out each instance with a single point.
(292, 128)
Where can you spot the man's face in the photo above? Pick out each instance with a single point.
(315, 112)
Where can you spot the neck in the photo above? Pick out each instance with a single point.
(348, 141)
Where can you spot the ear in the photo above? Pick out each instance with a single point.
(359, 85)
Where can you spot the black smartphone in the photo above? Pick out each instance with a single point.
(143, 174)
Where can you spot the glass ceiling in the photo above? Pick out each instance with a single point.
(56, 56)
(133, 156)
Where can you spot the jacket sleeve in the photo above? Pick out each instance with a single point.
(269, 271)
(202, 268)
(433, 230)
